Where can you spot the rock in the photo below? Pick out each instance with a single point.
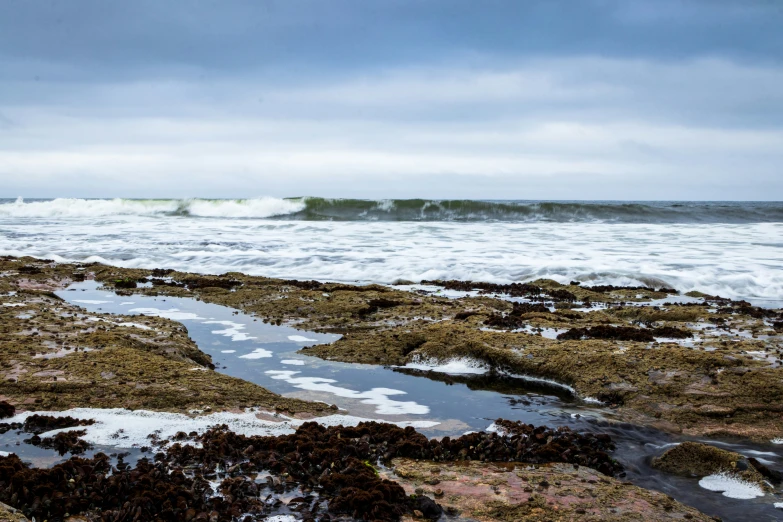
(693, 459)
(580, 495)
(426, 507)
(6, 410)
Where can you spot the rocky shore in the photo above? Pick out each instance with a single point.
(697, 365)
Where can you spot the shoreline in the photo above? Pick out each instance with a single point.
(608, 352)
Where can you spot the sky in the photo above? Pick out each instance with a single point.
(551, 99)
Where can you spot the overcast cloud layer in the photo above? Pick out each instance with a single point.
(392, 98)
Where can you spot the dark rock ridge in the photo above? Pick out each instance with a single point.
(623, 333)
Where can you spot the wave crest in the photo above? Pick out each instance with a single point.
(227, 208)
(323, 209)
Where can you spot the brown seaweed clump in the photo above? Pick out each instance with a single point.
(63, 442)
(6, 410)
(42, 423)
(335, 468)
(624, 333)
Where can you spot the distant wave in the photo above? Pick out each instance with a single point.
(219, 208)
(320, 209)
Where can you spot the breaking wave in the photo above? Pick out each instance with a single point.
(323, 209)
(217, 208)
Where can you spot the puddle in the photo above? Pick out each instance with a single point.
(244, 346)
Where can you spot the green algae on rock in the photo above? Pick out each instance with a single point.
(694, 459)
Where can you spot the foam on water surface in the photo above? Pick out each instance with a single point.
(731, 261)
(258, 353)
(173, 313)
(378, 397)
(460, 366)
(731, 486)
(232, 330)
(301, 339)
(123, 428)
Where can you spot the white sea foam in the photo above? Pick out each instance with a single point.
(293, 362)
(494, 428)
(172, 313)
(550, 382)
(89, 301)
(126, 429)
(73, 207)
(731, 486)
(14, 304)
(233, 330)
(243, 208)
(301, 339)
(459, 366)
(732, 261)
(5, 453)
(228, 351)
(378, 397)
(258, 353)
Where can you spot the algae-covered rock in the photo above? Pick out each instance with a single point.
(9, 514)
(514, 492)
(707, 367)
(694, 459)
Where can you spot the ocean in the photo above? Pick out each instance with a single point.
(732, 249)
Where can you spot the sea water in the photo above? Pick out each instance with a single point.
(732, 249)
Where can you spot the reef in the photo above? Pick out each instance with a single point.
(373, 471)
(697, 364)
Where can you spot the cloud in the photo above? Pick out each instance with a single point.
(607, 121)
(555, 99)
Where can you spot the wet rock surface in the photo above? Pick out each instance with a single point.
(694, 459)
(473, 491)
(63, 442)
(9, 514)
(702, 365)
(55, 355)
(716, 373)
(6, 410)
(325, 473)
(38, 424)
